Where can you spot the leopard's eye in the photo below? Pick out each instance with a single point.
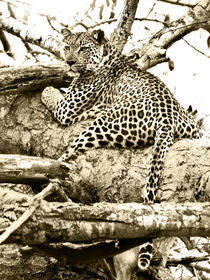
(67, 48)
(84, 48)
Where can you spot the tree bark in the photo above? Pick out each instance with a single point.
(51, 42)
(30, 170)
(120, 35)
(70, 222)
(32, 78)
(27, 127)
(51, 221)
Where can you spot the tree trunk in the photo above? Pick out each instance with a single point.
(105, 174)
(120, 35)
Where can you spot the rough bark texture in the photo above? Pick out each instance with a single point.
(29, 128)
(120, 35)
(102, 174)
(72, 222)
(30, 170)
(32, 78)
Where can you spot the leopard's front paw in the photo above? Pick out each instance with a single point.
(50, 96)
(70, 154)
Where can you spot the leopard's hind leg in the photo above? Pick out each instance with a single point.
(163, 141)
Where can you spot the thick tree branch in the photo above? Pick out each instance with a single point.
(103, 174)
(123, 31)
(72, 222)
(32, 78)
(30, 170)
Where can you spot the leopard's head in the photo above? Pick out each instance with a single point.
(83, 50)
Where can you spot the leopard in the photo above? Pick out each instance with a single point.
(130, 107)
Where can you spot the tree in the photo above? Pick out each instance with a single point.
(28, 128)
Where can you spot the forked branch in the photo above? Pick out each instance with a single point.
(102, 220)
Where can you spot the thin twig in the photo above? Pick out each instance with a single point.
(82, 24)
(114, 20)
(195, 48)
(153, 6)
(184, 26)
(177, 3)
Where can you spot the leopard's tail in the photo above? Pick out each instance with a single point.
(145, 256)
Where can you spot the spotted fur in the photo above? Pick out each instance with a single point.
(132, 108)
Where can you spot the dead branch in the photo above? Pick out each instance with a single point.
(52, 187)
(30, 170)
(114, 19)
(200, 267)
(32, 78)
(196, 49)
(187, 260)
(52, 221)
(150, 54)
(12, 14)
(177, 2)
(6, 44)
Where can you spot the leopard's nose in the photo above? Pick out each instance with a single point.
(71, 62)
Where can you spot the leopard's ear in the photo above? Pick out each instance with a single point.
(98, 35)
(66, 32)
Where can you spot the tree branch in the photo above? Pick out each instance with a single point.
(177, 2)
(120, 35)
(102, 220)
(6, 44)
(102, 174)
(51, 42)
(32, 78)
(187, 260)
(30, 170)
(29, 212)
(197, 50)
(154, 51)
